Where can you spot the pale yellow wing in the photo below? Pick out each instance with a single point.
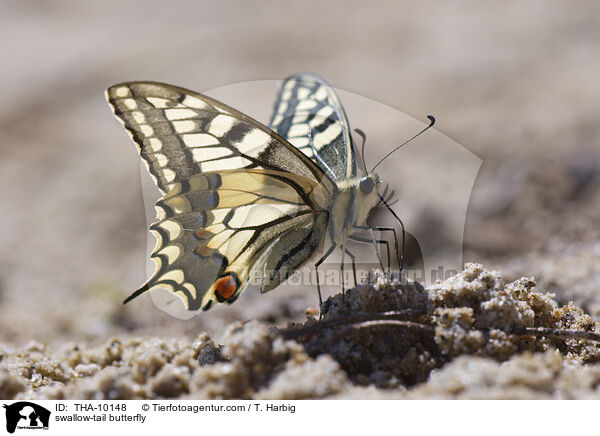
(238, 197)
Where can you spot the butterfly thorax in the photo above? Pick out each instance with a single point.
(351, 205)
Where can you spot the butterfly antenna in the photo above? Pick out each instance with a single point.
(431, 123)
(363, 135)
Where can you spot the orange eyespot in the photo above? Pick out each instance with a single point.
(225, 287)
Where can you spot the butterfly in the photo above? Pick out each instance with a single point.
(238, 196)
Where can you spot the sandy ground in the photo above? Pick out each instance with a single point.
(514, 83)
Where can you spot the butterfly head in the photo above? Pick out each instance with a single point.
(367, 194)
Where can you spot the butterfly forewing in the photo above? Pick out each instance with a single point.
(238, 197)
(309, 114)
(181, 133)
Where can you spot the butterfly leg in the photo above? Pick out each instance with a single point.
(387, 249)
(375, 243)
(353, 258)
(319, 262)
(393, 230)
(342, 265)
(400, 263)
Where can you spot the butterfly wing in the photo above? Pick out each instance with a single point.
(181, 133)
(309, 114)
(216, 228)
(238, 196)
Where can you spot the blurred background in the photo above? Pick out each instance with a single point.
(516, 83)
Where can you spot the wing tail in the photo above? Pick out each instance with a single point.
(137, 293)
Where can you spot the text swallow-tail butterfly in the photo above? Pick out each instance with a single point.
(237, 196)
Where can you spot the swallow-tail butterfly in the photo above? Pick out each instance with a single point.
(240, 197)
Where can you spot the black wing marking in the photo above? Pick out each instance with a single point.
(309, 114)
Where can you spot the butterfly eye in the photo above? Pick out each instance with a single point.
(366, 185)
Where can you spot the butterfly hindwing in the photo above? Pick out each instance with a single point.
(309, 114)
(238, 197)
(215, 229)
